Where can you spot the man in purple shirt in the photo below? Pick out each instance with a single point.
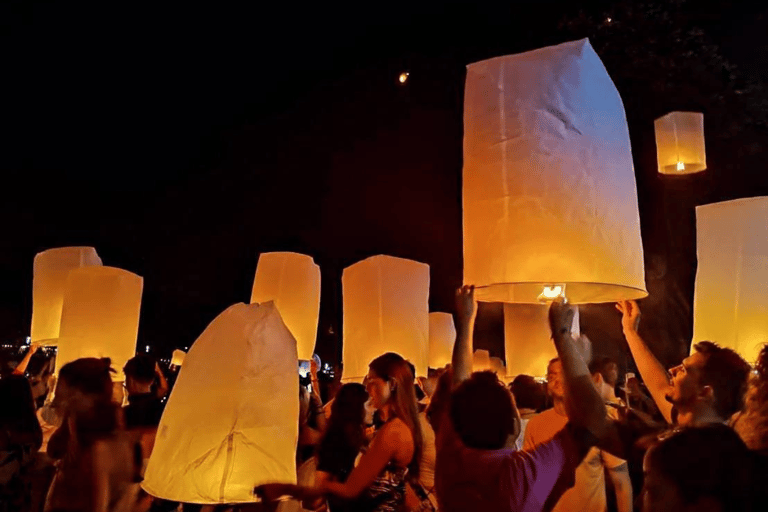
(476, 423)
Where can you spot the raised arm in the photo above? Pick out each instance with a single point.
(466, 312)
(162, 383)
(651, 370)
(582, 404)
(21, 368)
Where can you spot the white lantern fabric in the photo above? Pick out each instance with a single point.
(528, 342)
(442, 336)
(292, 281)
(51, 269)
(232, 419)
(385, 310)
(178, 357)
(549, 190)
(730, 305)
(100, 316)
(680, 147)
(481, 360)
(497, 366)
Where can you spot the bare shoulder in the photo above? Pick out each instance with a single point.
(395, 431)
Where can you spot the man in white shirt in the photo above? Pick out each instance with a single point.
(588, 493)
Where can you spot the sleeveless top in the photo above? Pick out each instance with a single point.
(387, 491)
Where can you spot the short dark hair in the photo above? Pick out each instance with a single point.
(528, 393)
(706, 462)
(727, 373)
(140, 368)
(89, 375)
(601, 365)
(483, 411)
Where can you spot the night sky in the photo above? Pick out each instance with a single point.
(183, 141)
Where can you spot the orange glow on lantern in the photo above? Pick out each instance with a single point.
(442, 336)
(51, 269)
(730, 305)
(385, 310)
(292, 281)
(100, 316)
(549, 193)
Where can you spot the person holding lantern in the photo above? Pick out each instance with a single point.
(707, 387)
(476, 422)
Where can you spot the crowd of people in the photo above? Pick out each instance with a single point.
(455, 440)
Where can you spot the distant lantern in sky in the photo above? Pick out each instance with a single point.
(730, 305)
(403, 77)
(100, 316)
(232, 419)
(527, 339)
(385, 310)
(680, 143)
(178, 357)
(549, 196)
(292, 281)
(51, 269)
(442, 336)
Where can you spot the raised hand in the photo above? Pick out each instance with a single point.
(561, 317)
(466, 304)
(630, 315)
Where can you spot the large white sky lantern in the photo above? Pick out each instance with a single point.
(680, 143)
(385, 310)
(730, 305)
(100, 316)
(442, 336)
(232, 419)
(292, 281)
(549, 190)
(51, 269)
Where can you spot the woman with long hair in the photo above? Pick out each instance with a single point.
(378, 482)
(752, 423)
(99, 466)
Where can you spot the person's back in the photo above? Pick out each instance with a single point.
(479, 468)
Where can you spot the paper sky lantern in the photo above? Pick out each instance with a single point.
(730, 305)
(548, 184)
(292, 281)
(385, 310)
(51, 269)
(442, 336)
(497, 366)
(232, 419)
(528, 342)
(680, 143)
(100, 316)
(178, 357)
(481, 360)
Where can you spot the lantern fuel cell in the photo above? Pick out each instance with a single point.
(549, 193)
